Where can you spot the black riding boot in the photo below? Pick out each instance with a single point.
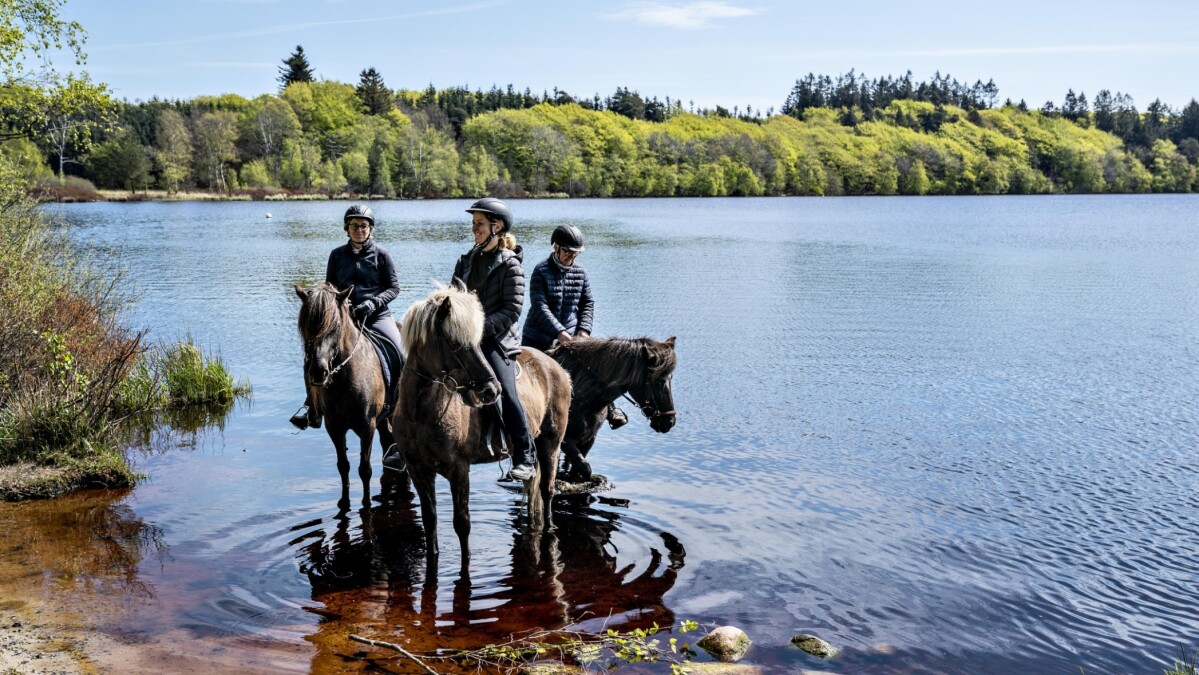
(306, 416)
(516, 424)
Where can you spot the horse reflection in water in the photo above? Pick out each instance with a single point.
(375, 581)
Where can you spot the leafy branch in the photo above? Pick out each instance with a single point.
(600, 651)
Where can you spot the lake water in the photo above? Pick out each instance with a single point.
(948, 435)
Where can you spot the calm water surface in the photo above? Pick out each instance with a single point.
(947, 435)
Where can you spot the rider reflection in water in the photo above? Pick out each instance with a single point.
(367, 266)
(491, 270)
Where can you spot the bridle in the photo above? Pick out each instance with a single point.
(445, 379)
(650, 409)
(334, 370)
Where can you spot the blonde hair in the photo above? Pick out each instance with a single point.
(507, 241)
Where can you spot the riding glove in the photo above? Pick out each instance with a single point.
(363, 310)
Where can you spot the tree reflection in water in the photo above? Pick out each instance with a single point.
(87, 542)
(372, 580)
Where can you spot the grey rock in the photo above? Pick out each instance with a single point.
(727, 643)
(815, 646)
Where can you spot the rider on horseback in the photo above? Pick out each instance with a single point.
(491, 270)
(367, 267)
(561, 305)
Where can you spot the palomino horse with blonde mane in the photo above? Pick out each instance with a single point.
(344, 377)
(441, 420)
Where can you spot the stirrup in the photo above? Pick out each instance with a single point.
(617, 418)
(300, 419)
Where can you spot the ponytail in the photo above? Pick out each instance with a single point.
(507, 241)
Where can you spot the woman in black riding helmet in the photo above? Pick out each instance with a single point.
(561, 306)
(367, 266)
(491, 270)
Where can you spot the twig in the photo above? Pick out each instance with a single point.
(389, 645)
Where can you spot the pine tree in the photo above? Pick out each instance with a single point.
(295, 68)
(375, 96)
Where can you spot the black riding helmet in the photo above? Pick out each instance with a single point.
(568, 237)
(358, 211)
(494, 208)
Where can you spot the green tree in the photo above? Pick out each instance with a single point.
(120, 162)
(214, 136)
(295, 68)
(37, 102)
(375, 96)
(265, 124)
(172, 150)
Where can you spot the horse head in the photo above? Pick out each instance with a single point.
(442, 335)
(653, 392)
(324, 313)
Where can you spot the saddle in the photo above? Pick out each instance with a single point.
(392, 361)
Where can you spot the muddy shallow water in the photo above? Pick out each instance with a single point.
(947, 435)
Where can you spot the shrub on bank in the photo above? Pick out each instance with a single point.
(70, 370)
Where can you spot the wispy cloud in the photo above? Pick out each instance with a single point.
(296, 27)
(1035, 50)
(685, 16)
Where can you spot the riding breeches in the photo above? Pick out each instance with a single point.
(516, 423)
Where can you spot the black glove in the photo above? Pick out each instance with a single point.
(363, 310)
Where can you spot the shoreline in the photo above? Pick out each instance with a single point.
(32, 644)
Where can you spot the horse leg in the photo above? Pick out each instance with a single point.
(364, 461)
(533, 498)
(423, 481)
(337, 434)
(547, 462)
(459, 478)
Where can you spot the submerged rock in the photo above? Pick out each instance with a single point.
(815, 646)
(596, 483)
(727, 643)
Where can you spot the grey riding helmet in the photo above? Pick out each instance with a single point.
(495, 208)
(358, 211)
(568, 237)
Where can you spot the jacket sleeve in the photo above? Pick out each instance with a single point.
(539, 308)
(459, 272)
(513, 300)
(586, 307)
(330, 276)
(388, 279)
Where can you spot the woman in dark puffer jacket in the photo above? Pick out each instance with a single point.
(491, 270)
(561, 306)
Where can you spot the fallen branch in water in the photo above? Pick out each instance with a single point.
(395, 647)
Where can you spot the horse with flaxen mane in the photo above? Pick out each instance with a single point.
(441, 421)
(604, 369)
(344, 377)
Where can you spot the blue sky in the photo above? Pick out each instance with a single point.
(727, 52)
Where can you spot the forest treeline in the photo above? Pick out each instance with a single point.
(833, 135)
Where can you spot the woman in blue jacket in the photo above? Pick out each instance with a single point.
(561, 307)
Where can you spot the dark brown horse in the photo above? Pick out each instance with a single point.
(601, 371)
(344, 378)
(440, 420)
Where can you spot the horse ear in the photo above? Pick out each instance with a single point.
(443, 309)
(458, 285)
(342, 295)
(301, 292)
(670, 342)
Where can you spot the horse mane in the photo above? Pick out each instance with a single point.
(463, 327)
(319, 315)
(623, 360)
